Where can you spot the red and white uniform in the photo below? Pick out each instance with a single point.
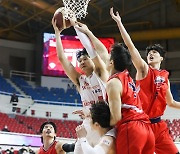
(153, 92)
(153, 97)
(51, 149)
(92, 89)
(134, 136)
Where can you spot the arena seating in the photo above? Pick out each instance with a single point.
(31, 125)
(70, 96)
(175, 89)
(6, 87)
(53, 95)
(13, 125)
(174, 128)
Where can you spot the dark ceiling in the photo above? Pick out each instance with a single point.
(22, 20)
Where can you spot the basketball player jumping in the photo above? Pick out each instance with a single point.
(91, 84)
(154, 86)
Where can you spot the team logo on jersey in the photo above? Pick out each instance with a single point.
(88, 103)
(85, 86)
(159, 80)
(133, 87)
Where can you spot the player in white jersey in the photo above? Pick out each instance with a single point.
(92, 89)
(91, 84)
(99, 123)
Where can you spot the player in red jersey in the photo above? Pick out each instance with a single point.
(134, 135)
(154, 87)
(50, 145)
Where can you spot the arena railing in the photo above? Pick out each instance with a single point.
(28, 75)
(22, 104)
(19, 95)
(10, 138)
(7, 108)
(58, 103)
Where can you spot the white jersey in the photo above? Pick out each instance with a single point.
(97, 148)
(92, 89)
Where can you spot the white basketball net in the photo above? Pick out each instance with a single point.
(75, 8)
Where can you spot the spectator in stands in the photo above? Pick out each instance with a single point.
(14, 100)
(25, 151)
(73, 86)
(22, 150)
(11, 150)
(5, 129)
(100, 123)
(69, 86)
(48, 138)
(30, 150)
(7, 151)
(1, 150)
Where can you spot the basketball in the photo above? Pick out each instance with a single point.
(61, 22)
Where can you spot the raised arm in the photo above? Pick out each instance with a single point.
(86, 37)
(97, 44)
(140, 65)
(114, 90)
(169, 99)
(68, 67)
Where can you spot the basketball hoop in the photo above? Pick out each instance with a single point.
(75, 8)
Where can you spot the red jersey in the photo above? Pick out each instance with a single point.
(153, 92)
(51, 150)
(131, 105)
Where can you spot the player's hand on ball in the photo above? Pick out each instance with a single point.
(54, 26)
(82, 27)
(81, 131)
(73, 22)
(61, 22)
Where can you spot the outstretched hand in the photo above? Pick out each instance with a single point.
(80, 113)
(116, 17)
(81, 27)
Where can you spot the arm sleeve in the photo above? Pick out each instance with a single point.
(68, 147)
(86, 43)
(87, 149)
(78, 149)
